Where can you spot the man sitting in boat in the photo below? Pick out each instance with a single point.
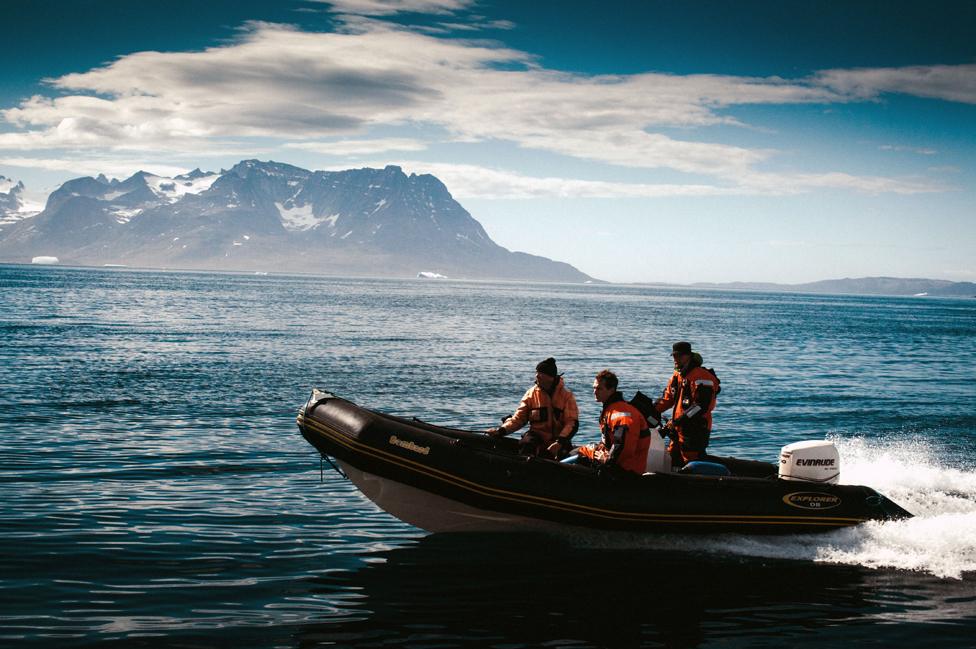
(691, 392)
(626, 435)
(551, 411)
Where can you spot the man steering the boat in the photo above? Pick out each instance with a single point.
(551, 412)
(626, 435)
(691, 392)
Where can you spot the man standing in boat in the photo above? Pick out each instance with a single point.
(691, 392)
(551, 412)
(626, 435)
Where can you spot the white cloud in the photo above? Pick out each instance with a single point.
(111, 167)
(798, 183)
(359, 147)
(476, 26)
(390, 7)
(948, 82)
(281, 83)
(909, 149)
(473, 181)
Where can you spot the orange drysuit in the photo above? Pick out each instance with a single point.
(692, 394)
(626, 437)
(549, 416)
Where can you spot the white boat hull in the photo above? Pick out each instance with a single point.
(436, 514)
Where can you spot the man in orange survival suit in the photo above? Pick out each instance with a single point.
(552, 413)
(626, 435)
(691, 392)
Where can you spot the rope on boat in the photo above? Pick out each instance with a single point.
(323, 456)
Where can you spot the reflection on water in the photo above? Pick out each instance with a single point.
(488, 591)
(524, 591)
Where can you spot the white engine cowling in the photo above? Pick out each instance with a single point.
(812, 461)
(658, 458)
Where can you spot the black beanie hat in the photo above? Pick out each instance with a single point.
(547, 366)
(681, 347)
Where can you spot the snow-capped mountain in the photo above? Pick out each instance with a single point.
(13, 206)
(126, 199)
(272, 216)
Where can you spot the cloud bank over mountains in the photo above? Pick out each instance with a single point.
(332, 92)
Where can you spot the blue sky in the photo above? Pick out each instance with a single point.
(641, 142)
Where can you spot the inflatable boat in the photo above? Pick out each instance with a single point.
(448, 480)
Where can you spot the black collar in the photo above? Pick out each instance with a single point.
(614, 398)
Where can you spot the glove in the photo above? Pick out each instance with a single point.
(560, 447)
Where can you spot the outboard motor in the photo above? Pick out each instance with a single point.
(812, 461)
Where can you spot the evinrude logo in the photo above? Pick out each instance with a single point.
(811, 500)
(410, 446)
(820, 462)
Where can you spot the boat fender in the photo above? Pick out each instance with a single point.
(705, 468)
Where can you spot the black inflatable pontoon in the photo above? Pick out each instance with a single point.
(447, 480)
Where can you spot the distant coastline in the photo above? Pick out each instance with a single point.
(880, 286)
(894, 286)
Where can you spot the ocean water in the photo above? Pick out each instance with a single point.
(155, 491)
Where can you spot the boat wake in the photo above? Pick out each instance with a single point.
(940, 540)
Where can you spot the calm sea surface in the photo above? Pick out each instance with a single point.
(155, 491)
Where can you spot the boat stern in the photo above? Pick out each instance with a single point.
(885, 509)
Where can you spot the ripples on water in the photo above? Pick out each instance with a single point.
(154, 489)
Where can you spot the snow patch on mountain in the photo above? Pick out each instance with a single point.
(126, 199)
(173, 189)
(299, 218)
(29, 208)
(124, 215)
(13, 206)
